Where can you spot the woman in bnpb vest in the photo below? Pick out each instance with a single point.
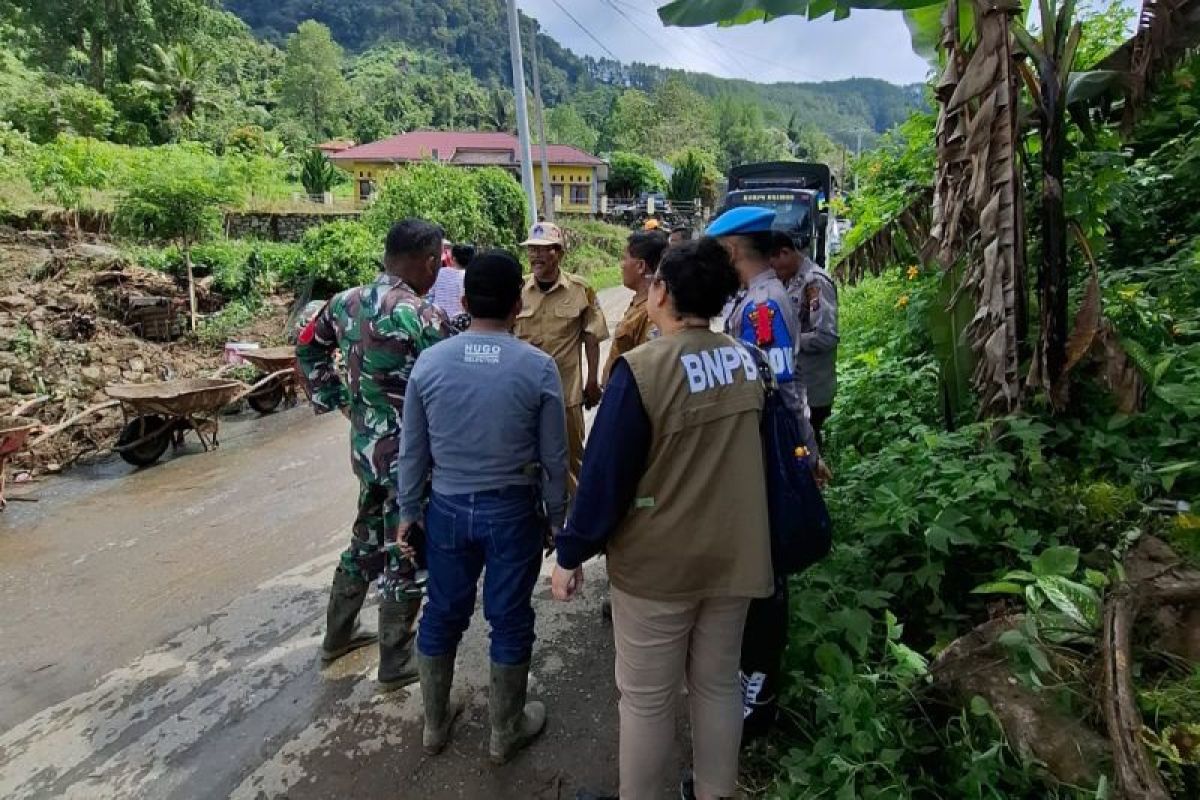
(672, 489)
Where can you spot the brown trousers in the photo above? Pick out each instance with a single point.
(574, 446)
(658, 645)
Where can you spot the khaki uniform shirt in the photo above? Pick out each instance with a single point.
(698, 526)
(633, 330)
(555, 321)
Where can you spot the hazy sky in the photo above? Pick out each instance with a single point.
(870, 44)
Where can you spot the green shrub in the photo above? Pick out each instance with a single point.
(479, 206)
(219, 328)
(594, 251)
(229, 262)
(337, 256)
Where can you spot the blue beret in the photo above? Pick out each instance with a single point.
(743, 219)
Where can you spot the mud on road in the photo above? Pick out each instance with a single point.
(160, 629)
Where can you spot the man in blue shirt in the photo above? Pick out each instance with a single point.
(484, 416)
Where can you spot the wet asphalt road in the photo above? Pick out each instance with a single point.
(159, 633)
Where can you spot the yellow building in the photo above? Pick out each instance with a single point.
(576, 178)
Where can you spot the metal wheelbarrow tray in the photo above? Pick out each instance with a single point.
(13, 433)
(279, 378)
(159, 414)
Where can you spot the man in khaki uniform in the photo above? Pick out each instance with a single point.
(559, 314)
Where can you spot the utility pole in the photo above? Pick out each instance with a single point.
(857, 155)
(525, 154)
(547, 188)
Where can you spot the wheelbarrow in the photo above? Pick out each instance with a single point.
(13, 433)
(159, 414)
(279, 365)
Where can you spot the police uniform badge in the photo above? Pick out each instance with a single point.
(764, 325)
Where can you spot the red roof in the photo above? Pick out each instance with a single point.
(468, 148)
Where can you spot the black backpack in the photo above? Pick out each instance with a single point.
(801, 530)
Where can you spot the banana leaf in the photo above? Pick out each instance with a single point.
(693, 13)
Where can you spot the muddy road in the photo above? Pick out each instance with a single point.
(159, 633)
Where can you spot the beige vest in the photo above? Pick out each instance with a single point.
(698, 527)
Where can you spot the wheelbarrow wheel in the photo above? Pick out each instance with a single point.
(148, 451)
(268, 398)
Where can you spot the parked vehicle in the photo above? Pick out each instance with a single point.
(799, 194)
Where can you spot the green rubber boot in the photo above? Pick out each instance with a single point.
(342, 631)
(515, 723)
(397, 665)
(437, 675)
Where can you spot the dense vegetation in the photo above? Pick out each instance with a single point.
(946, 523)
(473, 34)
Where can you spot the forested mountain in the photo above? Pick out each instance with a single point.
(473, 34)
(287, 74)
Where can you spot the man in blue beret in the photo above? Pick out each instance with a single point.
(764, 315)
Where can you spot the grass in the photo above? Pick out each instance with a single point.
(594, 251)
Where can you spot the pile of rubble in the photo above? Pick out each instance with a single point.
(72, 321)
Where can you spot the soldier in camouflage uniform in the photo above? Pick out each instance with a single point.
(379, 330)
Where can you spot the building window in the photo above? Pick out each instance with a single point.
(581, 195)
(559, 191)
(366, 188)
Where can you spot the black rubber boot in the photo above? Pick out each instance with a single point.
(397, 665)
(437, 674)
(515, 723)
(342, 631)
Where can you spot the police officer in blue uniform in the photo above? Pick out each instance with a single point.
(764, 315)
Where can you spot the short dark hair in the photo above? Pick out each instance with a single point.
(683, 231)
(462, 254)
(700, 277)
(413, 236)
(761, 242)
(781, 241)
(648, 246)
(492, 284)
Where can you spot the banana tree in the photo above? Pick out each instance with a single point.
(976, 215)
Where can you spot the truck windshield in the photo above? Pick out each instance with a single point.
(793, 210)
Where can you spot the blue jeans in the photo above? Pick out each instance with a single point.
(497, 530)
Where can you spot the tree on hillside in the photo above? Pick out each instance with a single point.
(312, 86)
(743, 134)
(114, 34)
(176, 76)
(564, 125)
(180, 203)
(683, 116)
(630, 122)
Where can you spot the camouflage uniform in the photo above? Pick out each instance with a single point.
(379, 329)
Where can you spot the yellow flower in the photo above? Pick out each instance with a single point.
(1173, 241)
(913, 272)
(902, 302)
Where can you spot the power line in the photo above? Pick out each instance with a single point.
(736, 68)
(583, 28)
(731, 52)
